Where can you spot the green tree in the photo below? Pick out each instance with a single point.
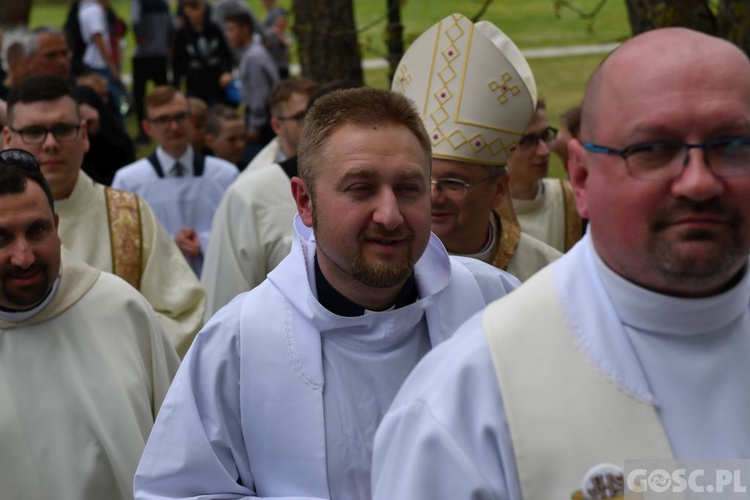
(729, 19)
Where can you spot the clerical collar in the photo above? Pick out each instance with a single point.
(643, 309)
(21, 316)
(332, 300)
(488, 251)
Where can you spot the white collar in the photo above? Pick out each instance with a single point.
(21, 316)
(168, 162)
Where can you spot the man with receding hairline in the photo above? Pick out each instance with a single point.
(635, 344)
(282, 392)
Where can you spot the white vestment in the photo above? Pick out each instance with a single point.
(250, 235)
(179, 202)
(80, 385)
(447, 434)
(544, 216)
(245, 415)
(271, 153)
(531, 256)
(166, 281)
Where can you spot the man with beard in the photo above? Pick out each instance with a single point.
(635, 344)
(84, 362)
(283, 389)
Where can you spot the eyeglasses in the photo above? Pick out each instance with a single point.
(725, 157)
(165, 120)
(19, 158)
(37, 134)
(299, 117)
(456, 188)
(547, 136)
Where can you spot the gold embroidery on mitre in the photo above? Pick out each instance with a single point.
(124, 216)
(472, 87)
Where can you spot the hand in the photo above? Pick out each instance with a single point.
(90, 115)
(225, 79)
(187, 241)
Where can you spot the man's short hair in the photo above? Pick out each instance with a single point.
(198, 111)
(364, 107)
(241, 18)
(17, 167)
(38, 88)
(283, 90)
(217, 115)
(161, 95)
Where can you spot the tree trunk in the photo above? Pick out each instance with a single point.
(327, 40)
(14, 14)
(394, 36)
(734, 22)
(645, 15)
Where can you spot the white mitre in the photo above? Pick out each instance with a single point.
(473, 88)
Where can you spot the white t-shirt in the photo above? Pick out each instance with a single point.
(93, 19)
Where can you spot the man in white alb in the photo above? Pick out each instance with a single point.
(635, 344)
(282, 392)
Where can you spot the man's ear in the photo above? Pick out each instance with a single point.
(303, 199)
(209, 140)
(578, 173)
(501, 190)
(6, 137)
(275, 125)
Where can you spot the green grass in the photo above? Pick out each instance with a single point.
(529, 23)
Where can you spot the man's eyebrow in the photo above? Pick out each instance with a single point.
(370, 173)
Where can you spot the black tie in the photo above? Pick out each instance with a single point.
(178, 169)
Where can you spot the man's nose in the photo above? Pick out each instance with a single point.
(21, 254)
(387, 211)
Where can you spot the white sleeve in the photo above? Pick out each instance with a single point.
(445, 436)
(196, 449)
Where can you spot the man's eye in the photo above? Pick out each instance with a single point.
(34, 131)
(37, 229)
(409, 188)
(359, 188)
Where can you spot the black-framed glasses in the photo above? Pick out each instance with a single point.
(19, 158)
(457, 188)
(725, 157)
(298, 117)
(547, 136)
(37, 134)
(165, 120)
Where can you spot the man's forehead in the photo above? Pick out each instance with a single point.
(25, 208)
(45, 112)
(51, 41)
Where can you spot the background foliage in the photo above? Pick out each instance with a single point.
(532, 24)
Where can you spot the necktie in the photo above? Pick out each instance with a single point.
(179, 169)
